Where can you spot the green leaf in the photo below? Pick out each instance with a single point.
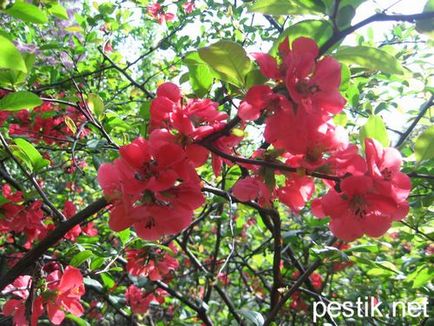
(374, 128)
(373, 248)
(3, 200)
(345, 16)
(421, 276)
(426, 26)
(124, 236)
(424, 146)
(34, 157)
(80, 258)
(11, 77)
(77, 320)
(27, 12)
(200, 74)
(108, 281)
(229, 60)
(253, 317)
(96, 105)
(369, 58)
(59, 11)
(19, 100)
(10, 57)
(71, 125)
(92, 283)
(318, 30)
(96, 263)
(287, 7)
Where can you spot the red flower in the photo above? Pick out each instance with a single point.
(267, 65)
(64, 294)
(307, 139)
(384, 165)
(69, 211)
(252, 189)
(313, 85)
(156, 11)
(20, 218)
(16, 308)
(358, 210)
(139, 300)
(191, 121)
(296, 192)
(153, 264)
(188, 7)
(153, 186)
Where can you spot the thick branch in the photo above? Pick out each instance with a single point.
(378, 17)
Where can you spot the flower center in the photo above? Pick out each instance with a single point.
(150, 223)
(303, 88)
(387, 174)
(358, 206)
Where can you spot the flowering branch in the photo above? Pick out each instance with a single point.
(51, 239)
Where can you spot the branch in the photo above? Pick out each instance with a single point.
(274, 165)
(274, 23)
(378, 17)
(422, 112)
(126, 75)
(295, 287)
(51, 239)
(201, 311)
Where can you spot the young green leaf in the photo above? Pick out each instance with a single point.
(17, 101)
(369, 58)
(59, 11)
(95, 103)
(424, 147)
(32, 154)
(374, 128)
(10, 57)
(286, 7)
(229, 60)
(27, 12)
(200, 74)
(80, 258)
(318, 30)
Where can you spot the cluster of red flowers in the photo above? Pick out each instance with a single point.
(298, 123)
(139, 300)
(89, 229)
(17, 217)
(60, 293)
(158, 12)
(371, 199)
(155, 264)
(45, 123)
(154, 185)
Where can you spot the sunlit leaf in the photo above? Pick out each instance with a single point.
(27, 12)
(10, 57)
(287, 7)
(374, 128)
(424, 146)
(19, 100)
(229, 60)
(369, 58)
